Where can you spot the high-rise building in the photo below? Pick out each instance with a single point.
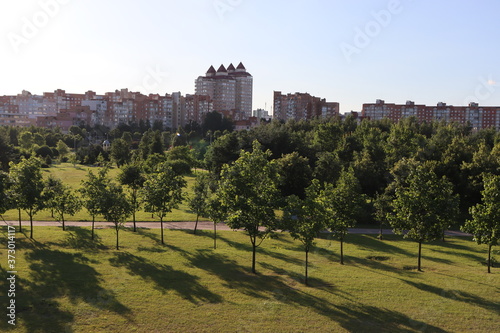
(230, 89)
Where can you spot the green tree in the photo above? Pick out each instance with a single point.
(131, 175)
(65, 203)
(249, 192)
(63, 149)
(26, 140)
(92, 191)
(485, 222)
(162, 192)
(424, 204)
(4, 198)
(53, 186)
(198, 201)
(28, 184)
(342, 204)
(114, 206)
(304, 219)
(295, 174)
(120, 152)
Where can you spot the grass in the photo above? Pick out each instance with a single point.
(67, 283)
(72, 176)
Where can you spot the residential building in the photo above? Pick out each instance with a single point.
(302, 106)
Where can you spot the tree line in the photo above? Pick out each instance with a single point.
(309, 176)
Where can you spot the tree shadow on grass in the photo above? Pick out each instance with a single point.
(372, 243)
(260, 250)
(55, 274)
(81, 239)
(353, 317)
(166, 278)
(457, 295)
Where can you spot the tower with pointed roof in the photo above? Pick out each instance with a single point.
(231, 90)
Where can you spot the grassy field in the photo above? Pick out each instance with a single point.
(67, 283)
(73, 176)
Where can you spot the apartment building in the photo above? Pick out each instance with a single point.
(478, 116)
(231, 90)
(302, 106)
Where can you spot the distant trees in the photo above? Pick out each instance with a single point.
(485, 222)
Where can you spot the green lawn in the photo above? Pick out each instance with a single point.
(67, 283)
(73, 176)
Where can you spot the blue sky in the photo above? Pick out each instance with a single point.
(351, 52)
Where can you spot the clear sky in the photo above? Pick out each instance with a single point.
(351, 52)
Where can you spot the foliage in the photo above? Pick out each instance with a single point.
(485, 222)
(304, 218)
(197, 202)
(249, 193)
(132, 176)
(423, 206)
(342, 204)
(162, 192)
(92, 190)
(295, 174)
(28, 185)
(120, 152)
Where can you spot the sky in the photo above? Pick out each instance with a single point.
(345, 51)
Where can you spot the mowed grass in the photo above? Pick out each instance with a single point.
(68, 283)
(72, 176)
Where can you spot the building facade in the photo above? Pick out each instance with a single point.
(477, 116)
(302, 106)
(231, 90)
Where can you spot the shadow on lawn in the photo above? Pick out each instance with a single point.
(353, 317)
(247, 247)
(166, 278)
(457, 295)
(81, 238)
(55, 274)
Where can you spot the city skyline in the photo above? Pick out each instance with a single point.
(351, 53)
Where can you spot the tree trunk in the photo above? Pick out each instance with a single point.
(443, 235)
(419, 255)
(215, 235)
(253, 257)
(93, 220)
(161, 227)
(62, 218)
(117, 228)
(133, 219)
(489, 258)
(307, 262)
(196, 224)
(20, 225)
(380, 232)
(31, 225)
(341, 250)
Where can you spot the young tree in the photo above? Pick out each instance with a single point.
(304, 218)
(92, 190)
(114, 206)
(162, 192)
(65, 202)
(53, 186)
(423, 206)
(249, 193)
(342, 204)
(132, 176)
(485, 222)
(198, 201)
(28, 184)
